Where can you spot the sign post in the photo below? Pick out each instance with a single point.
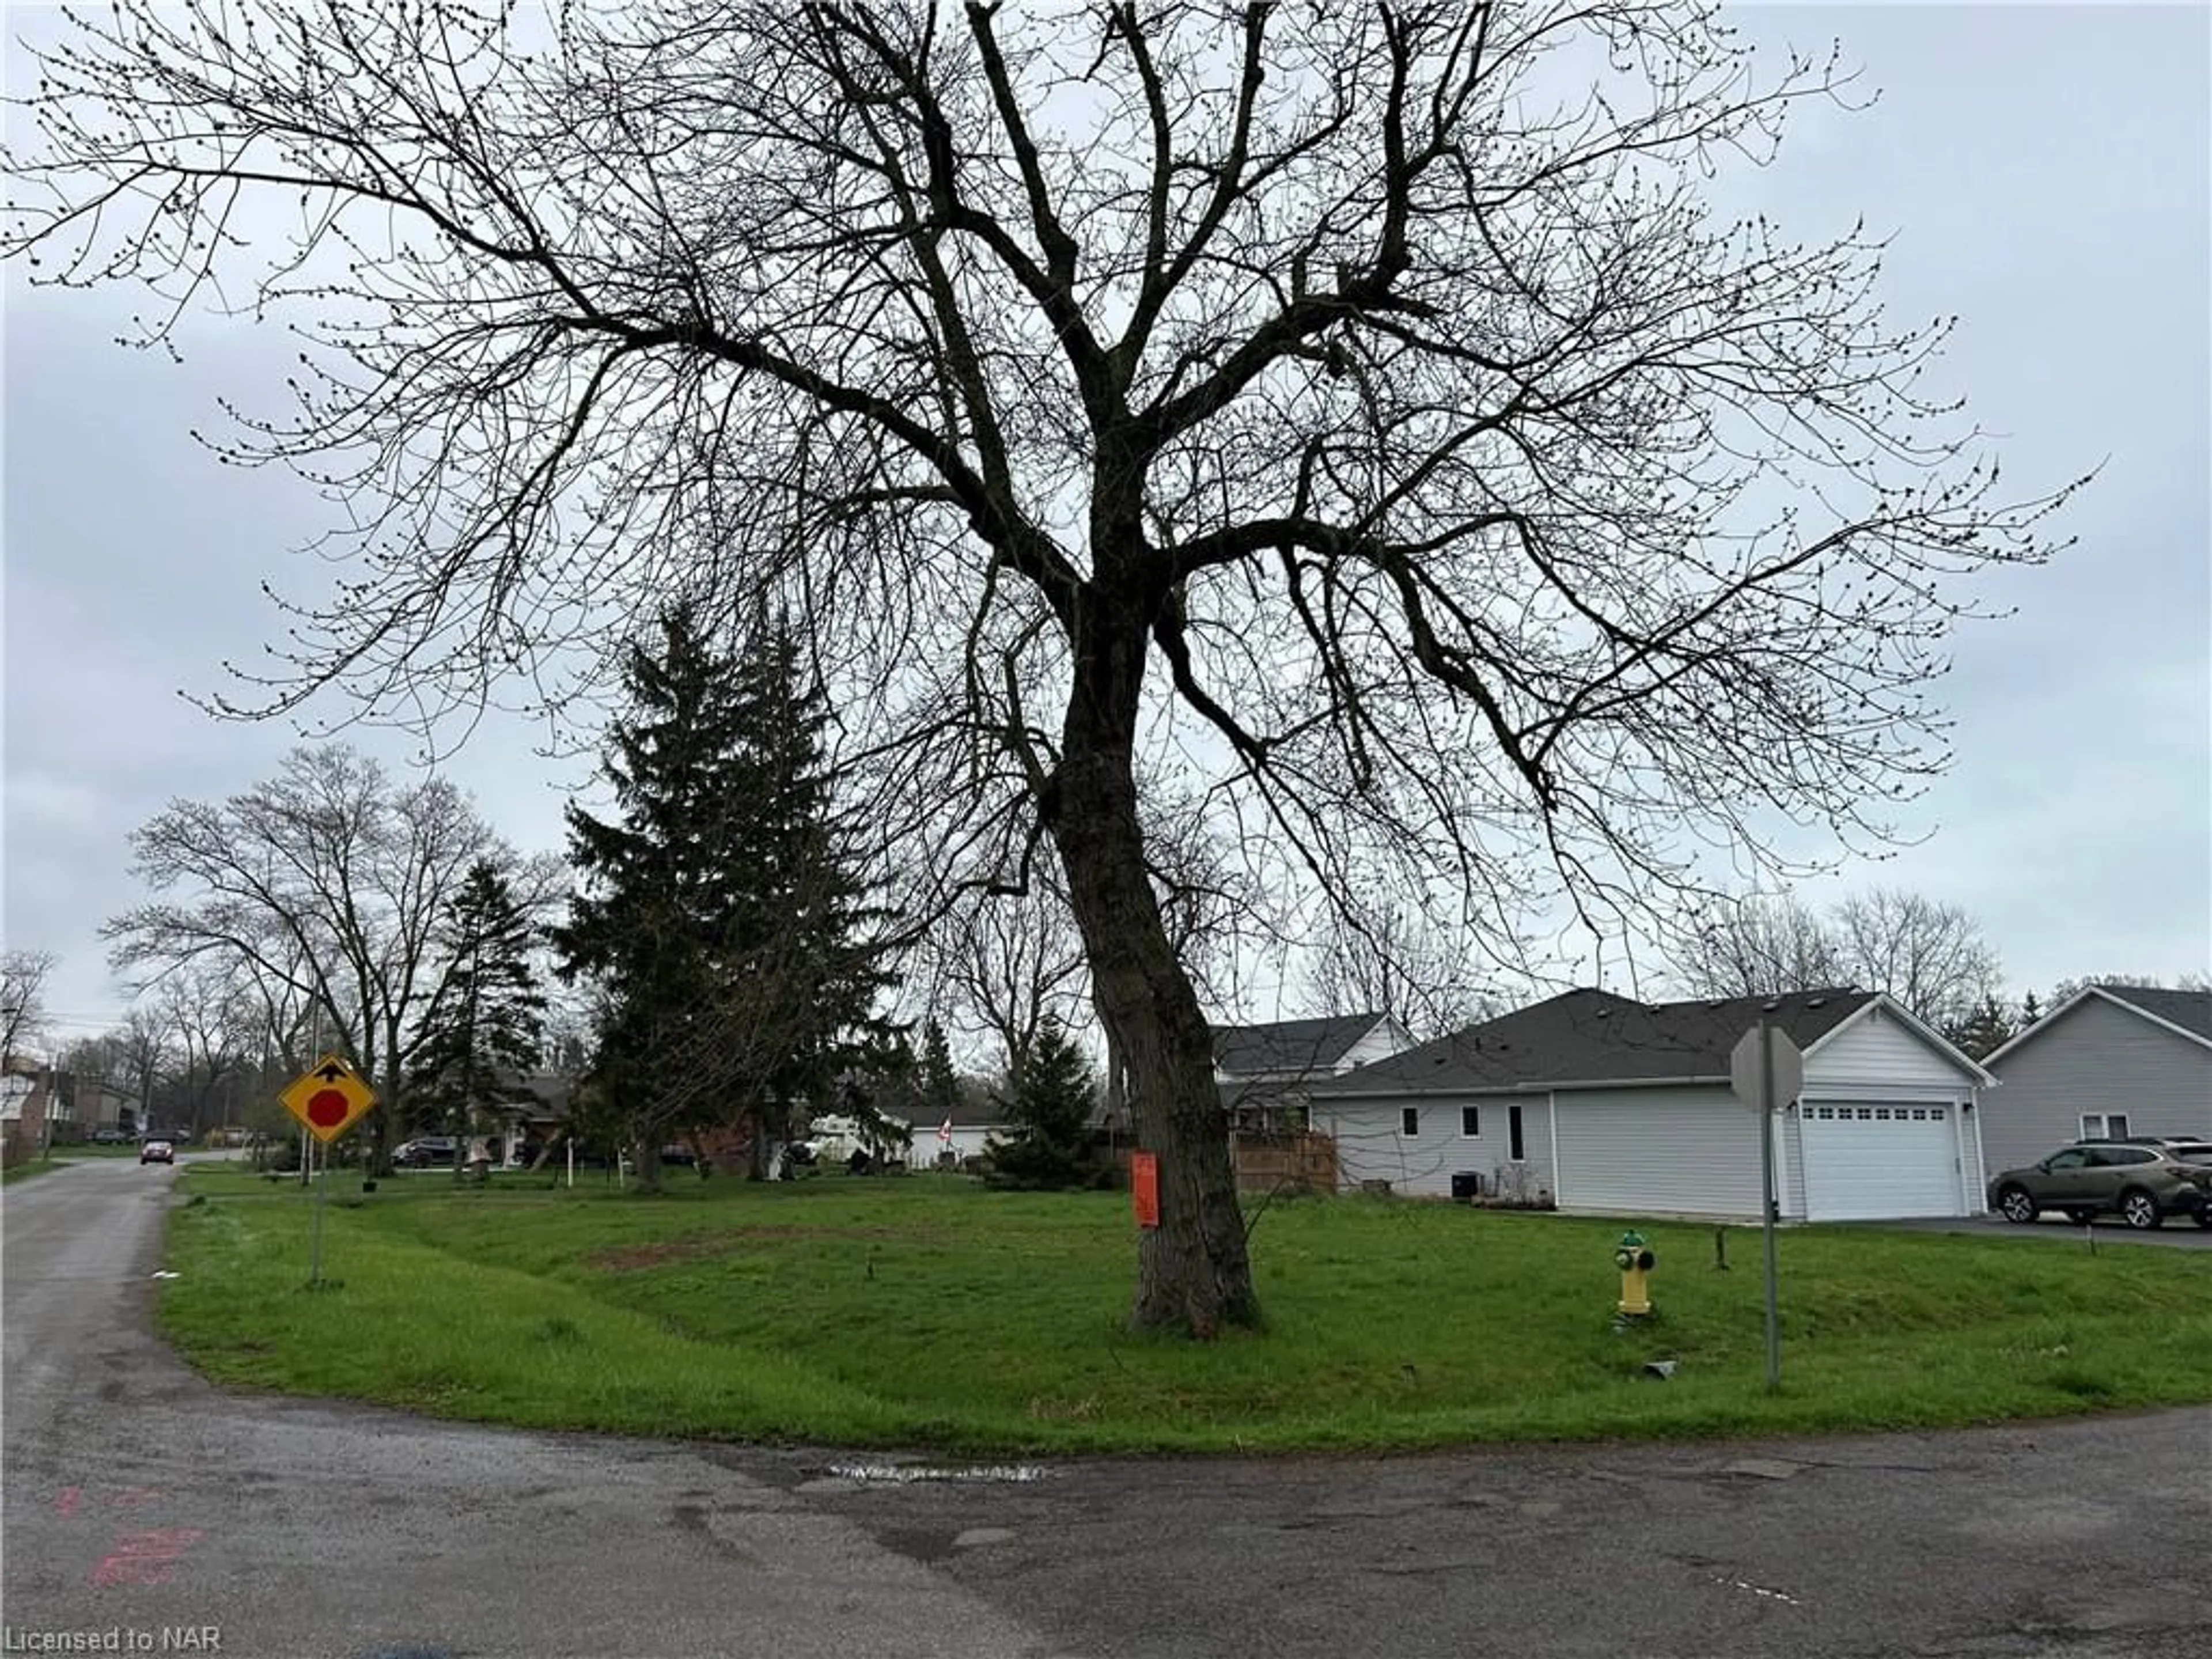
(1766, 1069)
(328, 1098)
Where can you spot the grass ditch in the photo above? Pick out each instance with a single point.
(930, 1313)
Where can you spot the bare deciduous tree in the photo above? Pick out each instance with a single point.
(1364, 403)
(1395, 960)
(210, 1010)
(146, 1052)
(326, 883)
(23, 976)
(1760, 945)
(1932, 957)
(1002, 964)
(1009, 956)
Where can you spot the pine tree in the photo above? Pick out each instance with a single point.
(720, 918)
(814, 969)
(655, 921)
(486, 1028)
(1048, 1109)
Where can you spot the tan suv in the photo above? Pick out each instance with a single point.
(2140, 1184)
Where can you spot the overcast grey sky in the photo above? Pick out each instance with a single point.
(2045, 170)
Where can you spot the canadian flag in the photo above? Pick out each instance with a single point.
(945, 1131)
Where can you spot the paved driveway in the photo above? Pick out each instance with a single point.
(2057, 1229)
(142, 1505)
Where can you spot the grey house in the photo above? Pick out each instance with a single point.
(2111, 1059)
(1608, 1106)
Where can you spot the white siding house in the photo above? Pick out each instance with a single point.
(1610, 1106)
(1678, 1149)
(1418, 1143)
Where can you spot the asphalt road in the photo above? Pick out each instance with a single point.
(146, 1509)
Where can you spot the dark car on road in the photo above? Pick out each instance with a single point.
(157, 1152)
(2140, 1184)
(423, 1152)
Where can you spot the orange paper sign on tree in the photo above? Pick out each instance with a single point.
(1145, 1188)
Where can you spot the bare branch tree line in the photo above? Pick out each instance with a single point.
(1365, 406)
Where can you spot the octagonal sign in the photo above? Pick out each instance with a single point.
(329, 1098)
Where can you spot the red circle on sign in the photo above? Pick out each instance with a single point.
(327, 1108)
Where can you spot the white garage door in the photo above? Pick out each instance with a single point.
(1875, 1161)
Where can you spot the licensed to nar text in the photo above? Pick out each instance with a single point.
(115, 1638)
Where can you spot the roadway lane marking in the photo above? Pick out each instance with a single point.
(1759, 1590)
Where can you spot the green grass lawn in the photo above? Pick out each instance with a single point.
(925, 1311)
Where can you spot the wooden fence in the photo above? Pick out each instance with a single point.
(1303, 1159)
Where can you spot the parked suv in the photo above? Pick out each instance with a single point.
(2141, 1184)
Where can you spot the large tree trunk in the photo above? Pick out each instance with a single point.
(1193, 1271)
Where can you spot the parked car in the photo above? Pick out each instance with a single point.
(423, 1152)
(2140, 1184)
(111, 1137)
(156, 1152)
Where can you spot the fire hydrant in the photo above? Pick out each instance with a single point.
(1635, 1260)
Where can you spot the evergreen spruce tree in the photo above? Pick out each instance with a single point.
(486, 1028)
(814, 967)
(721, 917)
(1048, 1108)
(655, 921)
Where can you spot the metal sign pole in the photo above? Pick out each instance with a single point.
(1766, 1193)
(328, 1101)
(315, 1248)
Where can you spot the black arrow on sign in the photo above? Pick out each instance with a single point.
(331, 1073)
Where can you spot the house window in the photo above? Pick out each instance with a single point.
(1470, 1120)
(2103, 1126)
(1409, 1121)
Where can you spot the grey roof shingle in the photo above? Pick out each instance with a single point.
(1597, 1036)
(1295, 1046)
(2190, 1010)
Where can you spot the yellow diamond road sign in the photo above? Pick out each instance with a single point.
(329, 1097)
